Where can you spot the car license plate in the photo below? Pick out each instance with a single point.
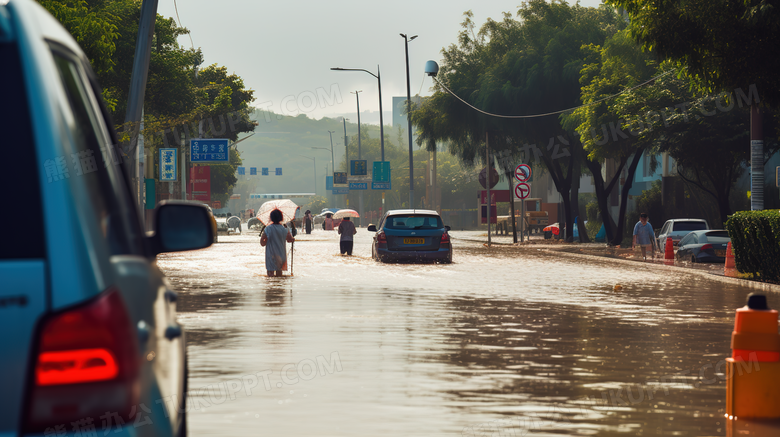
(414, 240)
(720, 253)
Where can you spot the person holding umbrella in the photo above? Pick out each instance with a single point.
(346, 230)
(273, 239)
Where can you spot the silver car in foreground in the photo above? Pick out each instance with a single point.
(90, 344)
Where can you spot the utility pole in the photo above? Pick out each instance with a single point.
(135, 99)
(360, 199)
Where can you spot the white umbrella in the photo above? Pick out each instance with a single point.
(286, 206)
(345, 213)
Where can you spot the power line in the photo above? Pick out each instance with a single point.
(176, 8)
(550, 113)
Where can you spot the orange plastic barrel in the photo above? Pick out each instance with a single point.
(755, 332)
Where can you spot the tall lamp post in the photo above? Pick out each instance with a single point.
(360, 201)
(409, 120)
(381, 119)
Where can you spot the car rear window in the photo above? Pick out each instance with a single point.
(414, 221)
(21, 219)
(689, 226)
(717, 237)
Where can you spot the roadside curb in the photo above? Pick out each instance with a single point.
(760, 286)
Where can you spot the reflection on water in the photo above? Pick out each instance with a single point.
(500, 342)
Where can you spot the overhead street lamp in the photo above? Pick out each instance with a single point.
(381, 119)
(409, 120)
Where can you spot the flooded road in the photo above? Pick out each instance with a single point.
(501, 342)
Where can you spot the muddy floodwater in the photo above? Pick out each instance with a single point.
(502, 342)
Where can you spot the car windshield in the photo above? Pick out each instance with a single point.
(689, 226)
(414, 221)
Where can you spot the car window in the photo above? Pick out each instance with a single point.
(413, 221)
(96, 164)
(690, 226)
(22, 204)
(716, 237)
(694, 239)
(686, 240)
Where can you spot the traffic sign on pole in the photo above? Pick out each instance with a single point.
(522, 190)
(523, 172)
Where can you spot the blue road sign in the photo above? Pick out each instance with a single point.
(265, 171)
(340, 190)
(209, 150)
(168, 165)
(381, 171)
(241, 171)
(380, 186)
(358, 185)
(328, 182)
(278, 171)
(252, 171)
(358, 167)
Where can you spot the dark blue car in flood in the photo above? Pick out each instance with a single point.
(411, 235)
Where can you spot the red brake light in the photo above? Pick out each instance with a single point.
(87, 363)
(445, 238)
(706, 247)
(381, 237)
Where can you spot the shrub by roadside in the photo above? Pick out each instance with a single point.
(755, 240)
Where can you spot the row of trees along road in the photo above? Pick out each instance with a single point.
(178, 93)
(557, 56)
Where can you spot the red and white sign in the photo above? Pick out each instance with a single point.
(200, 178)
(523, 172)
(522, 190)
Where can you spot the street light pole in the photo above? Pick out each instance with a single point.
(332, 160)
(409, 120)
(360, 198)
(381, 118)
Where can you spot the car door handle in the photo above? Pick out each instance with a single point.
(171, 296)
(143, 332)
(173, 331)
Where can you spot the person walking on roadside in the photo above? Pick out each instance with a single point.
(347, 230)
(307, 221)
(273, 239)
(644, 236)
(328, 222)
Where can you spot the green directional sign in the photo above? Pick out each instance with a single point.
(381, 171)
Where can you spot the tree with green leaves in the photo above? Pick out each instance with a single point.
(720, 45)
(609, 70)
(525, 66)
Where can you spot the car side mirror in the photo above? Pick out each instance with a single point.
(447, 228)
(371, 228)
(180, 226)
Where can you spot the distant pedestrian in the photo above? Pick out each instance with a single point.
(328, 222)
(308, 220)
(273, 239)
(644, 236)
(347, 231)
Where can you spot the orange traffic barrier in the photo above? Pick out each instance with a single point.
(753, 371)
(730, 268)
(669, 251)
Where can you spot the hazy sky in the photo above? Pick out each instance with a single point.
(284, 49)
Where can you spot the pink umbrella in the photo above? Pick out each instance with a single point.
(286, 206)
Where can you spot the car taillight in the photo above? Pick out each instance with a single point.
(445, 238)
(381, 237)
(87, 363)
(706, 247)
